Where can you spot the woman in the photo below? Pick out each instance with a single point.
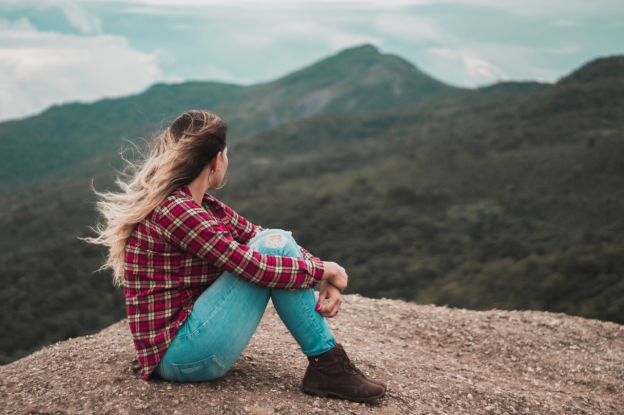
(197, 277)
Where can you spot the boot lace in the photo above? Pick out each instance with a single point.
(346, 362)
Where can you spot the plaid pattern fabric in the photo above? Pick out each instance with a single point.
(178, 251)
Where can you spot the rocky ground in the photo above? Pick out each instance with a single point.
(435, 360)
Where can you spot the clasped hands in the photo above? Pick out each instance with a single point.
(333, 282)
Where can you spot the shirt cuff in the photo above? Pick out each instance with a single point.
(317, 275)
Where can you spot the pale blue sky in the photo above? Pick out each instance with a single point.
(54, 51)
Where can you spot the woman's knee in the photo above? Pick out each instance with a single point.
(275, 232)
(272, 239)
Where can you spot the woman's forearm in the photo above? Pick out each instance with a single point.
(336, 275)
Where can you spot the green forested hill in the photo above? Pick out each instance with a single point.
(354, 81)
(508, 196)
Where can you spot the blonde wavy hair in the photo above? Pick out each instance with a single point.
(174, 158)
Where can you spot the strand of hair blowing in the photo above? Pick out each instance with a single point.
(176, 157)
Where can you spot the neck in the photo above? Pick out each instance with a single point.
(198, 188)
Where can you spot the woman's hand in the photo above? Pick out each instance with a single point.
(332, 295)
(336, 275)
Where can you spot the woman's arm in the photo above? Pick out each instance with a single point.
(245, 229)
(189, 227)
(333, 273)
(306, 254)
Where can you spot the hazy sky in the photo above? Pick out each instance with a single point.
(54, 51)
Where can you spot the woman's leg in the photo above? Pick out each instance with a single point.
(227, 314)
(296, 308)
(223, 319)
(330, 372)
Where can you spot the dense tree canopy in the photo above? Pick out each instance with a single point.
(506, 197)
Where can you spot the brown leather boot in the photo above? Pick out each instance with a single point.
(332, 373)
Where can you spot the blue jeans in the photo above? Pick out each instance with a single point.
(227, 313)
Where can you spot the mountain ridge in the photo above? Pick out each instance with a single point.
(512, 192)
(76, 132)
(595, 69)
(64, 136)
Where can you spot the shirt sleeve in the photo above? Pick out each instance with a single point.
(245, 229)
(305, 253)
(189, 227)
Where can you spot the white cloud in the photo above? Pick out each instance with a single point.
(565, 50)
(413, 29)
(79, 18)
(544, 74)
(481, 63)
(474, 66)
(551, 8)
(251, 3)
(212, 73)
(38, 69)
(572, 9)
(20, 25)
(260, 35)
(339, 40)
(163, 10)
(76, 16)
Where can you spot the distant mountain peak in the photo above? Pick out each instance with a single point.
(601, 68)
(365, 48)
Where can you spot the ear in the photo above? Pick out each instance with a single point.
(215, 161)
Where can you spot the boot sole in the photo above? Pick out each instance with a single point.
(324, 394)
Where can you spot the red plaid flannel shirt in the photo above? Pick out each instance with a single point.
(178, 251)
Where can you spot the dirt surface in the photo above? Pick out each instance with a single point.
(434, 359)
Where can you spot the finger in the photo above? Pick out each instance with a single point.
(329, 307)
(321, 300)
(337, 305)
(325, 310)
(335, 309)
(331, 313)
(333, 300)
